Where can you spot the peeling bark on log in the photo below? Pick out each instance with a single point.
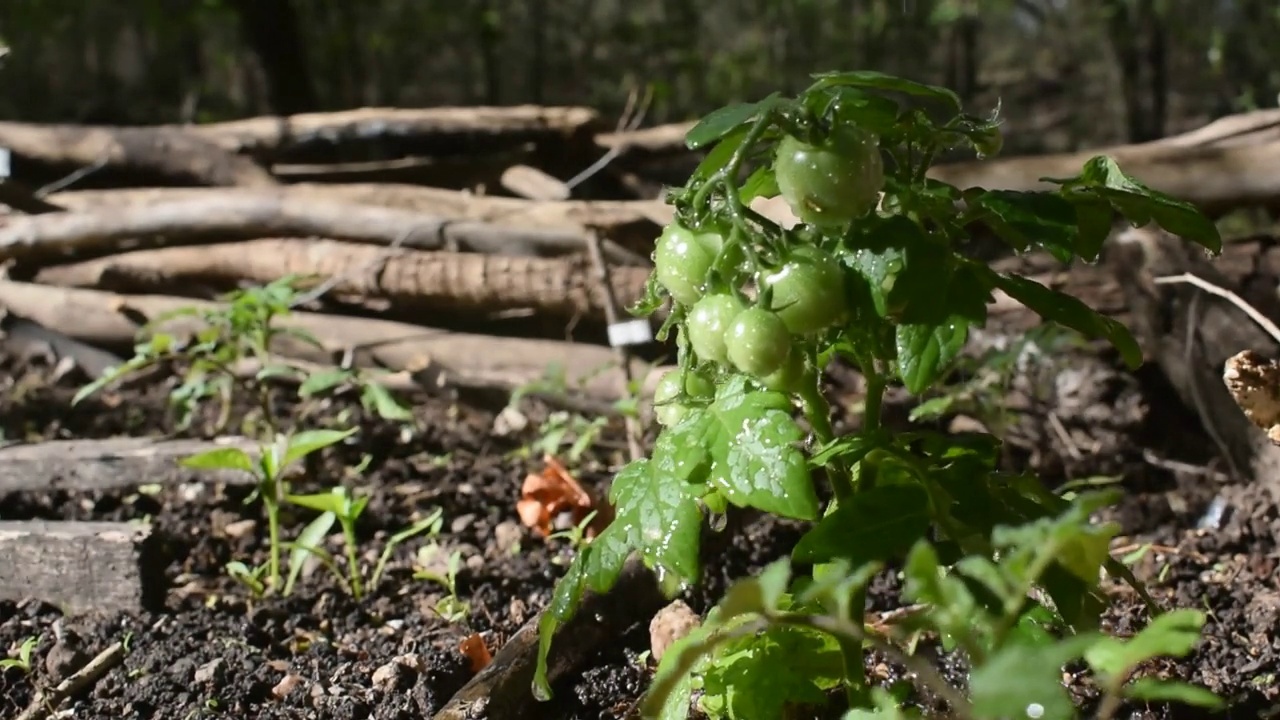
(82, 566)
(113, 463)
(632, 223)
(225, 216)
(1230, 163)
(1191, 333)
(466, 283)
(439, 130)
(466, 360)
(165, 153)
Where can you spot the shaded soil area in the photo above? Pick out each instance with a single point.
(214, 651)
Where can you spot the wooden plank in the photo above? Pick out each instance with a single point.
(111, 463)
(82, 566)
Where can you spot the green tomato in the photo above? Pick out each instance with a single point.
(758, 342)
(787, 378)
(989, 143)
(833, 183)
(808, 290)
(707, 323)
(681, 260)
(667, 405)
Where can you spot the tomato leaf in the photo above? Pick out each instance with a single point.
(1139, 204)
(880, 81)
(879, 524)
(658, 517)
(763, 675)
(924, 351)
(1155, 690)
(753, 445)
(1066, 310)
(1018, 676)
(1172, 634)
(1022, 219)
(722, 121)
(761, 183)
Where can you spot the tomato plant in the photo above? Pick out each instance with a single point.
(831, 182)
(673, 389)
(875, 277)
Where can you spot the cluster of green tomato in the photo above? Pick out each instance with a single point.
(827, 185)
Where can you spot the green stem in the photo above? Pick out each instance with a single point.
(349, 531)
(273, 531)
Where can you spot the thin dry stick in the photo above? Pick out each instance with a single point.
(624, 357)
(43, 704)
(1189, 279)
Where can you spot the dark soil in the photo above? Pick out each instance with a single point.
(214, 651)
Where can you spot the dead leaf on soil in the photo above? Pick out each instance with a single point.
(476, 651)
(547, 494)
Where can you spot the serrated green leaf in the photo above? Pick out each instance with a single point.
(565, 599)
(1155, 690)
(761, 183)
(759, 675)
(879, 524)
(756, 460)
(848, 449)
(880, 81)
(658, 516)
(309, 441)
(924, 351)
(756, 594)
(1171, 634)
(1017, 677)
(1066, 310)
(1094, 219)
(1023, 219)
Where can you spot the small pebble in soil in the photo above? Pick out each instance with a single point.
(671, 623)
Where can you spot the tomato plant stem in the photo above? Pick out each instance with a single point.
(273, 530)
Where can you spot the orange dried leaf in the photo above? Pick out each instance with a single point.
(476, 651)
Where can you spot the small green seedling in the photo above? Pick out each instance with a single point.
(249, 577)
(337, 504)
(452, 608)
(23, 659)
(269, 471)
(374, 396)
(576, 536)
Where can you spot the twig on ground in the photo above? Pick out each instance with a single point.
(1183, 467)
(44, 703)
(624, 124)
(1253, 313)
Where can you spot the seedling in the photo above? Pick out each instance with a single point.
(338, 504)
(269, 471)
(239, 331)
(576, 536)
(23, 659)
(875, 274)
(452, 608)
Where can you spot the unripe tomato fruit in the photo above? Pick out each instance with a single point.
(758, 342)
(667, 408)
(681, 259)
(707, 323)
(989, 143)
(833, 183)
(808, 290)
(787, 378)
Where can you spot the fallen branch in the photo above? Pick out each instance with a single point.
(112, 463)
(468, 361)
(443, 282)
(164, 154)
(234, 215)
(436, 131)
(632, 223)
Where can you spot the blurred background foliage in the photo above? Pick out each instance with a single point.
(1068, 73)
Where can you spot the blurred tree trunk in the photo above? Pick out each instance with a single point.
(538, 49)
(488, 24)
(270, 28)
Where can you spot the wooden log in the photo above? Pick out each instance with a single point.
(442, 282)
(170, 155)
(1191, 334)
(226, 216)
(632, 223)
(82, 566)
(433, 131)
(97, 465)
(112, 321)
